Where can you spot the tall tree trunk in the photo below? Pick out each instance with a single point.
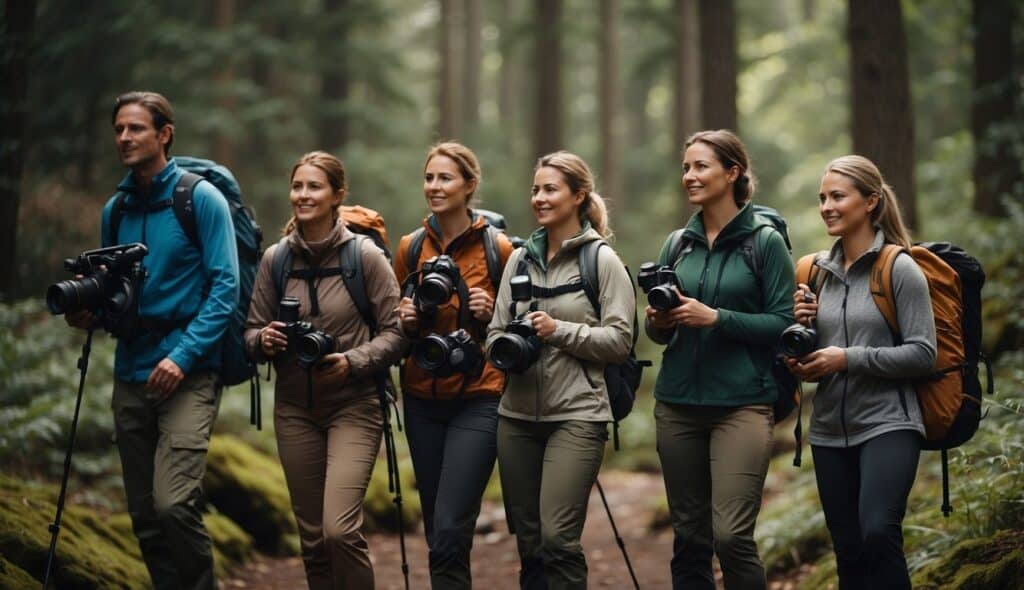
(611, 124)
(335, 84)
(718, 64)
(548, 65)
(809, 10)
(223, 147)
(687, 115)
(883, 115)
(507, 93)
(449, 126)
(473, 56)
(19, 16)
(996, 168)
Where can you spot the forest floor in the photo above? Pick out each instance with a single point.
(495, 563)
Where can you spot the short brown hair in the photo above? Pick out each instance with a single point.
(159, 109)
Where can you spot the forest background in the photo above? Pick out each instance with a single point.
(931, 90)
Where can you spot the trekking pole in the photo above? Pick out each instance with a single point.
(394, 478)
(618, 538)
(83, 367)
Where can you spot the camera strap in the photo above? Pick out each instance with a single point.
(312, 277)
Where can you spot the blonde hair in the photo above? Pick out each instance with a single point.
(730, 152)
(868, 180)
(579, 178)
(463, 157)
(332, 168)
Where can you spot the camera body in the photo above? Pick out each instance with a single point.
(308, 344)
(657, 281)
(449, 354)
(111, 279)
(439, 279)
(519, 347)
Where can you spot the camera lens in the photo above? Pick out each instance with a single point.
(663, 298)
(312, 347)
(432, 353)
(799, 340)
(434, 290)
(74, 295)
(508, 352)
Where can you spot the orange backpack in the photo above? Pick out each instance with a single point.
(368, 222)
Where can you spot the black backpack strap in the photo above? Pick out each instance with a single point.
(280, 265)
(753, 254)
(184, 206)
(492, 254)
(678, 246)
(588, 272)
(351, 253)
(412, 256)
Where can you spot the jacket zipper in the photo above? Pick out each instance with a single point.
(846, 374)
(697, 347)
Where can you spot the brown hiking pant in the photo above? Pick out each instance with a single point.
(163, 456)
(328, 455)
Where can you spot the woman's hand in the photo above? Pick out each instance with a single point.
(805, 305)
(694, 314)
(542, 323)
(408, 317)
(333, 369)
(481, 304)
(272, 339)
(661, 320)
(818, 364)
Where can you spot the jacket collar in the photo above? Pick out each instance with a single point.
(834, 262)
(537, 244)
(315, 253)
(433, 228)
(739, 226)
(165, 177)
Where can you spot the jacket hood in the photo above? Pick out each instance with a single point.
(537, 244)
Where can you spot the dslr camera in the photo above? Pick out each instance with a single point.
(439, 279)
(446, 355)
(519, 347)
(308, 344)
(658, 282)
(798, 340)
(109, 286)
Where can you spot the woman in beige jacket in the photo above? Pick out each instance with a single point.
(327, 416)
(553, 418)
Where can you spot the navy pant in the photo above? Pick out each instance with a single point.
(864, 493)
(453, 447)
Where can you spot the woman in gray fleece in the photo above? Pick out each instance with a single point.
(866, 429)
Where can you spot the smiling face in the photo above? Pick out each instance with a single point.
(313, 199)
(139, 144)
(705, 179)
(844, 209)
(553, 202)
(444, 186)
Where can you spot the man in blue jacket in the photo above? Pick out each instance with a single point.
(166, 388)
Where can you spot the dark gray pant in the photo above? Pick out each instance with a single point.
(714, 461)
(864, 493)
(547, 471)
(163, 457)
(453, 446)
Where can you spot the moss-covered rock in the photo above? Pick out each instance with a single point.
(232, 546)
(978, 564)
(13, 577)
(249, 488)
(379, 506)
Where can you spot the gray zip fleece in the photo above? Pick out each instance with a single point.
(874, 395)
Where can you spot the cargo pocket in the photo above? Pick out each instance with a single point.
(188, 454)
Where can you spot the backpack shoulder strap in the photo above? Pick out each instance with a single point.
(881, 284)
(589, 272)
(807, 272)
(351, 253)
(116, 214)
(677, 245)
(184, 207)
(412, 257)
(492, 255)
(280, 264)
(753, 253)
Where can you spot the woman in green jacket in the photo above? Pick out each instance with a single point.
(715, 388)
(553, 418)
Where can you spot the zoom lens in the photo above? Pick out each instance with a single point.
(74, 295)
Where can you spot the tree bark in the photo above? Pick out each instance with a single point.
(996, 169)
(718, 64)
(507, 74)
(223, 146)
(547, 63)
(688, 81)
(335, 82)
(19, 17)
(473, 56)
(882, 112)
(611, 124)
(449, 125)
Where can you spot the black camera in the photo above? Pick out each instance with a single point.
(109, 286)
(798, 340)
(308, 344)
(658, 282)
(519, 347)
(440, 277)
(446, 355)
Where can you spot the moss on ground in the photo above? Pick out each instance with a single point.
(823, 576)
(249, 488)
(13, 577)
(232, 546)
(978, 564)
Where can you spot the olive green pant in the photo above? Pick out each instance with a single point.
(163, 456)
(714, 461)
(328, 455)
(547, 471)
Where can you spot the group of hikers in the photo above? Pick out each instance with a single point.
(503, 354)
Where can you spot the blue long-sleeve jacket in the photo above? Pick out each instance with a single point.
(183, 282)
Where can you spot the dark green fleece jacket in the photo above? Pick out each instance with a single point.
(728, 364)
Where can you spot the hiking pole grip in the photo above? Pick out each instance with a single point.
(54, 528)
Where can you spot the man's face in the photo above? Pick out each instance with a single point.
(138, 142)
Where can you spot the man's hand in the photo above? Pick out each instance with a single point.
(164, 379)
(333, 369)
(481, 304)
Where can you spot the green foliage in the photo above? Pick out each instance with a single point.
(13, 577)
(379, 508)
(978, 564)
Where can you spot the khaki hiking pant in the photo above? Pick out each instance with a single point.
(163, 457)
(547, 471)
(714, 461)
(328, 456)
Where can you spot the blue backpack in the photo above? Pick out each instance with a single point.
(236, 366)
